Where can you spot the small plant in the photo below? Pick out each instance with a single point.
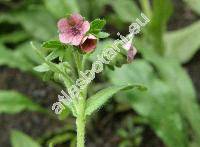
(65, 60)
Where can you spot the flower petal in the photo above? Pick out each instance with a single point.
(128, 45)
(63, 25)
(77, 40)
(65, 38)
(75, 19)
(85, 27)
(90, 36)
(131, 54)
(73, 29)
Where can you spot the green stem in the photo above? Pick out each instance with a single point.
(81, 102)
(80, 123)
(78, 61)
(85, 57)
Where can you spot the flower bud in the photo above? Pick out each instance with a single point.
(89, 43)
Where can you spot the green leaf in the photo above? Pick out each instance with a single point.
(8, 18)
(14, 37)
(25, 51)
(158, 105)
(162, 10)
(14, 59)
(13, 102)
(52, 44)
(127, 10)
(60, 138)
(182, 44)
(59, 8)
(97, 25)
(181, 86)
(53, 55)
(100, 98)
(19, 139)
(194, 4)
(42, 68)
(52, 66)
(37, 22)
(58, 50)
(102, 35)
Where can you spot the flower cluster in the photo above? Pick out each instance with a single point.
(73, 31)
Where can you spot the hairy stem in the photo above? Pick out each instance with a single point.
(80, 106)
(78, 60)
(80, 123)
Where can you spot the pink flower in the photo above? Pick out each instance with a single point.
(131, 51)
(131, 54)
(89, 43)
(72, 29)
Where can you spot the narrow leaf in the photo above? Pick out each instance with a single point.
(182, 44)
(100, 98)
(162, 10)
(19, 139)
(52, 44)
(158, 105)
(42, 68)
(65, 7)
(37, 22)
(126, 10)
(102, 35)
(13, 102)
(14, 59)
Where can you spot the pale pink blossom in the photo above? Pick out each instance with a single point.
(131, 51)
(73, 29)
(131, 54)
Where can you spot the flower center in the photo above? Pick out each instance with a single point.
(75, 30)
